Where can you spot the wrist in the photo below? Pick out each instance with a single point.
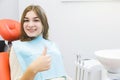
(32, 71)
(29, 74)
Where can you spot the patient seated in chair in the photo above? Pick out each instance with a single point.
(20, 63)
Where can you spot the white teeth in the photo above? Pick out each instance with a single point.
(31, 30)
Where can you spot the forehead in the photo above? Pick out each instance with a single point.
(31, 14)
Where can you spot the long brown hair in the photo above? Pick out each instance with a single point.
(41, 15)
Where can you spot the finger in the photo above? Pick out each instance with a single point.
(44, 51)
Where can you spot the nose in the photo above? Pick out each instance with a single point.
(31, 24)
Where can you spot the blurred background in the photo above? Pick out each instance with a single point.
(81, 26)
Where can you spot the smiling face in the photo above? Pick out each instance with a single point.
(32, 24)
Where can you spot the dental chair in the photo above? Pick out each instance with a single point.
(9, 31)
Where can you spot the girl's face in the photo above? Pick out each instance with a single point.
(32, 24)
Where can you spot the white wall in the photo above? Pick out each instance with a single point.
(9, 9)
(82, 27)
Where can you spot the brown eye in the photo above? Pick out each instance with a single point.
(26, 20)
(36, 20)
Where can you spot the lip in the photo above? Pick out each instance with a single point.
(31, 30)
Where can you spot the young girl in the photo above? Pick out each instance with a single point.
(38, 57)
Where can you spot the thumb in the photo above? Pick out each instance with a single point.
(44, 51)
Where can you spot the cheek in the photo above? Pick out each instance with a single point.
(40, 28)
(24, 28)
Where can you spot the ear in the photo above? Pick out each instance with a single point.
(9, 29)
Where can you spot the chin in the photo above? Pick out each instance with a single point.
(32, 35)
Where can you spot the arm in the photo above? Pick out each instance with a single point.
(16, 70)
(28, 75)
(43, 62)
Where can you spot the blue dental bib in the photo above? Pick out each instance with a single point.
(28, 51)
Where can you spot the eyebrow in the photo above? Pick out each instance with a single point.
(28, 18)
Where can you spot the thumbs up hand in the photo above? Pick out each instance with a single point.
(44, 51)
(42, 63)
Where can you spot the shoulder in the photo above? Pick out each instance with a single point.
(16, 42)
(52, 46)
(51, 43)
